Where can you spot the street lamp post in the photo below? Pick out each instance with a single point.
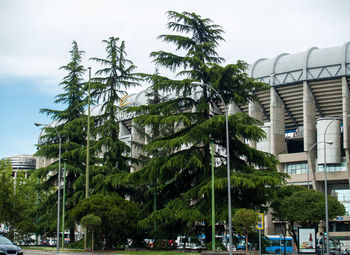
(325, 180)
(58, 185)
(87, 154)
(308, 154)
(227, 163)
(64, 199)
(213, 239)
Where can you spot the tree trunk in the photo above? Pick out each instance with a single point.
(207, 232)
(72, 235)
(92, 242)
(246, 244)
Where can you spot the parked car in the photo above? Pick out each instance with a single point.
(51, 242)
(334, 247)
(7, 247)
(191, 243)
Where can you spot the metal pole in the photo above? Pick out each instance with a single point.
(259, 242)
(64, 201)
(155, 200)
(228, 178)
(325, 184)
(88, 141)
(212, 199)
(87, 155)
(325, 181)
(227, 163)
(59, 194)
(58, 185)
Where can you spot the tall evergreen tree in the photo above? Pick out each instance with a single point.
(69, 123)
(110, 85)
(189, 122)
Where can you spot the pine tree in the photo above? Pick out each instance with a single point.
(189, 122)
(70, 123)
(110, 85)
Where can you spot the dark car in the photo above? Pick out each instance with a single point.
(7, 247)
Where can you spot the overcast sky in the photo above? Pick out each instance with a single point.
(36, 35)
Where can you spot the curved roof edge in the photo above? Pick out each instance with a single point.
(313, 64)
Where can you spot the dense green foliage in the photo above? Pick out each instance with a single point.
(186, 122)
(170, 193)
(299, 206)
(68, 122)
(91, 222)
(109, 155)
(110, 85)
(17, 203)
(118, 218)
(245, 222)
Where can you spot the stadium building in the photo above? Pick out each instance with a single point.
(22, 162)
(309, 95)
(309, 99)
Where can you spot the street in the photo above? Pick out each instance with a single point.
(39, 252)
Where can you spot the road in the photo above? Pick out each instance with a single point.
(40, 252)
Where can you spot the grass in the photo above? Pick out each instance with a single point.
(143, 252)
(147, 252)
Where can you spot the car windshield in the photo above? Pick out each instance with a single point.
(4, 240)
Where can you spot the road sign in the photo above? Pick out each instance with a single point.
(261, 221)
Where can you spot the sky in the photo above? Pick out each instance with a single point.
(36, 37)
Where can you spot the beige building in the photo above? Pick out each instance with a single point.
(309, 95)
(309, 100)
(22, 162)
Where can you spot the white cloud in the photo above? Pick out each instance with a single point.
(37, 34)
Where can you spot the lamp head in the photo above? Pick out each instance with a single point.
(38, 124)
(196, 83)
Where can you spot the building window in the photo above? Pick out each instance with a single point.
(333, 167)
(296, 168)
(343, 196)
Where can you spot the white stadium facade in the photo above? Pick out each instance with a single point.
(309, 95)
(309, 99)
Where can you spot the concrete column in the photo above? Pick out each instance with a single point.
(136, 151)
(309, 116)
(309, 125)
(278, 143)
(148, 130)
(233, 108)
(269, 226)
(255, 111)
(346, 122)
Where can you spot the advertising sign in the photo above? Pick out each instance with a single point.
(261, 221)
(307, 240)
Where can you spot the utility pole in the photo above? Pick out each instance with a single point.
(87, 155)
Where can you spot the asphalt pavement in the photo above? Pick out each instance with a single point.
(40, 252)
